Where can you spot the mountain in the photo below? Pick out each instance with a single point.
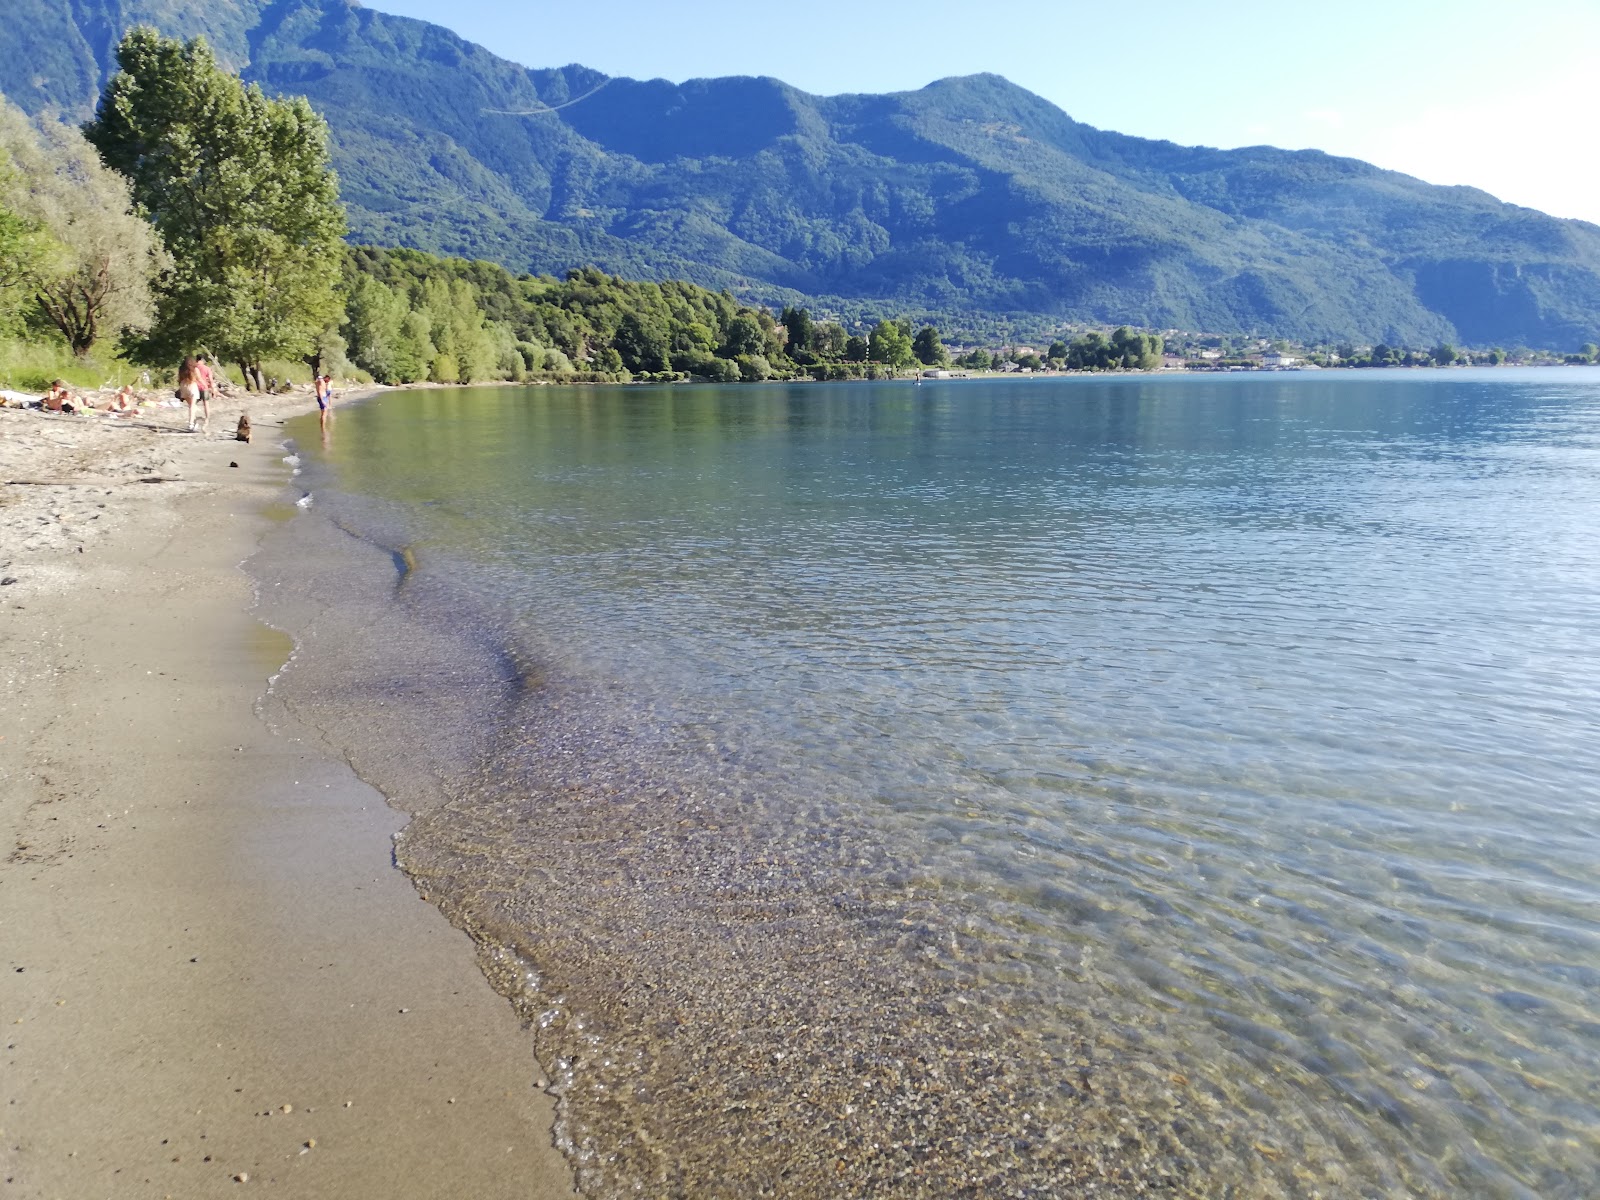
(969, 194)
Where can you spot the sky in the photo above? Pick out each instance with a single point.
(1499, 96)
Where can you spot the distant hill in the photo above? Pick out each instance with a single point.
(971, 193)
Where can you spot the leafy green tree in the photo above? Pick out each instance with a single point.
(240, 190)
(1444, 354)
(693, 337)
(744, 336)
(890, 344)
(21, 247)
(801, 330)
(829, 340)
(1091, 352)
(928, 349)
(644, 343)
(1135, 351)
(856, 349)
(1589, 351)
(375, 320)
(92, 257)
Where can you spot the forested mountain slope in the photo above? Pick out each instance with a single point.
(969, 193)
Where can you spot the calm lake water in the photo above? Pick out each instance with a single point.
(1019, 788)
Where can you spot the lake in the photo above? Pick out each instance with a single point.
(1006, 787)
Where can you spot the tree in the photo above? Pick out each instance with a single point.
(1444, 354)
(240, 190)
(20, 249)
(928, 348)
(744, 336)
(643, 342)
(91, 257)
(375, 331)
(801, 330)
(829, 340)
(1135, 351)
(856, 349)
(889, 343)
(1589, 351)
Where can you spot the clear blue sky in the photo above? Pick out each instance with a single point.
(1502, 96)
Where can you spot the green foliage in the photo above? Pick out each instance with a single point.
(412, 316)
(90, 259)
(1123, 350)
(800, 330)
(20, 249)
(29, 365)
(928, 348)
(890, 344)
(239, 188)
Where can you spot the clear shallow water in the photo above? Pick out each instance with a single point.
(1016, 788)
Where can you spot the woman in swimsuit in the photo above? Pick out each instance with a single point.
(189, 389)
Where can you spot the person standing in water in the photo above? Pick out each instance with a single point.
(324, 386)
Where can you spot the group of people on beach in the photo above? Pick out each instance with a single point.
(59, 399)
(197, 383)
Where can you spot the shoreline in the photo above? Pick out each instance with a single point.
(214, 974)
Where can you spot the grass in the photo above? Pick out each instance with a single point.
(31, 366)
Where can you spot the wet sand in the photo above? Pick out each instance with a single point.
(211, 975)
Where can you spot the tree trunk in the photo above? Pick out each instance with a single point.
(251, 382)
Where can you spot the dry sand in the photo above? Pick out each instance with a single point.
(209, 968)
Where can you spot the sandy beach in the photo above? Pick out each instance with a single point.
(213, 976)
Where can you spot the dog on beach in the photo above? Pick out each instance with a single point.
(243, 434)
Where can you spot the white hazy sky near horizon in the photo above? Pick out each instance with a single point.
(1475, 92)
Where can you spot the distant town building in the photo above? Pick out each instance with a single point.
(1275, 358)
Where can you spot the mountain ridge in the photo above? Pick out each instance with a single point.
(968, 193)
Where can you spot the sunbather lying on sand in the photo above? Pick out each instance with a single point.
(123, 403)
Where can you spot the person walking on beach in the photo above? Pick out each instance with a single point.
(189, 389)
(207, 384)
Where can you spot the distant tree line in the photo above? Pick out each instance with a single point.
(412, 316)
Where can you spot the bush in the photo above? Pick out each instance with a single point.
(444, 369)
